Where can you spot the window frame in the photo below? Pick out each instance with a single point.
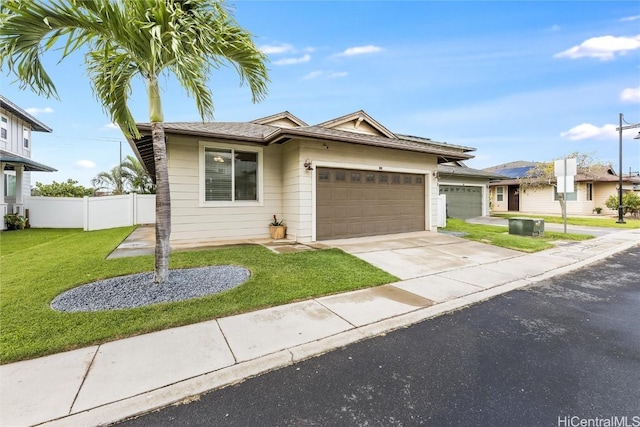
(26, 138)
(233, 147)
(4, 126)
(500, 193)
(571, 197)
(589, 191)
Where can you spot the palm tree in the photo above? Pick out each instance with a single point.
(128, 38)
(113, 180)
(136, 177)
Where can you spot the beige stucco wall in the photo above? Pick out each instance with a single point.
(601, 192)
(288, 188)
(497, 206)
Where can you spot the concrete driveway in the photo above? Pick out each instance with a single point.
(422, 253)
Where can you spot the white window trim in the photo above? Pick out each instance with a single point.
(26, 131)
(501, 187)
(230, 204)
(4, 126)
(586, 190)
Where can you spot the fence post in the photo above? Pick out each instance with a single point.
(85, 215)
(133, 199)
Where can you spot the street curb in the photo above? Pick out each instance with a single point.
(190, 389)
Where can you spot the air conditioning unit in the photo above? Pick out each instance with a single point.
(526, 226)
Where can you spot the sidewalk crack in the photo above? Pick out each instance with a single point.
(355, 326)
(235, 359)
(86, 375)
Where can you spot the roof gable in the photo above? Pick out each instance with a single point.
(282, 120)
(358, 122)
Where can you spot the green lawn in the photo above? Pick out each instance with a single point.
(607, 222)
(39, 264)
(499, 236)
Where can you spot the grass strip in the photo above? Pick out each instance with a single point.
(631, 223)
(499, 236)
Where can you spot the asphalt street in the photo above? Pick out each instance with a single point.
(551, 354)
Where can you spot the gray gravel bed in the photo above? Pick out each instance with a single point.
(137, 290)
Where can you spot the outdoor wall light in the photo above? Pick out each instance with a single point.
(307, 164)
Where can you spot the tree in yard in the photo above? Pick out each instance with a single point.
(543, 174)
(69, 188)
(128, 177)
(630, 203)
(133, 38)
(136, 178)
(112, 181)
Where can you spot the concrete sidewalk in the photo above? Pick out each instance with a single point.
(106, 383)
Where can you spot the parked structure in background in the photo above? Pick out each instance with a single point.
(16, 129)
(466, 189)
(592, 189)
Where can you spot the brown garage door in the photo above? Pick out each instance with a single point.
(353, 203)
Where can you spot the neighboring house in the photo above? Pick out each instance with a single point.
(16, 129)
(592, 191)
(466, 189)
(346, 177)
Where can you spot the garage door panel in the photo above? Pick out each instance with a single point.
(463, 201)
(354, 203)
(355, 194)
(340, 193)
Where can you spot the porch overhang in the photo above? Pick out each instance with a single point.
(10, 161)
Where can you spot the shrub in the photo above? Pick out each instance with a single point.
(630, 203)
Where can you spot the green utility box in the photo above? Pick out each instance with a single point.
(526, 226)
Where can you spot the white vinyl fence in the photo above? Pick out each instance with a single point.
(91, 213)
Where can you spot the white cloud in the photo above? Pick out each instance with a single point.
(360, 50)
(553, 28)
(85, 164)
(111, 126)
(291, 61)
(630, 18)
(603, 48)
(630, 94)
(337, 75)
(325, 74)
(34, 111)
(589, 131)
(276, 49)
(313, 75)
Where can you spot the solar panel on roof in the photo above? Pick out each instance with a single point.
(515, 172)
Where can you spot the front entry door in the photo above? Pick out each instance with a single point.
(514, 198)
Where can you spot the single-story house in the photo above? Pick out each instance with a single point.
(16, 129)
(591, 191)
(466, 189)
(346, 177)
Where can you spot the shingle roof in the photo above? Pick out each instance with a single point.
(261, 134)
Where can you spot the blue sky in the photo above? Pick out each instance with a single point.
(518, 80)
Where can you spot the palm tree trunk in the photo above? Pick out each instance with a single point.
(163, 196)
(163, 204)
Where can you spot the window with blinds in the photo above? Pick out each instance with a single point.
(230, 175)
